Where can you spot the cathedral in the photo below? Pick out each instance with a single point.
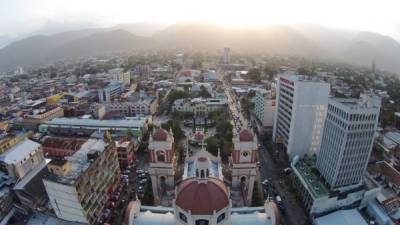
(202, 195)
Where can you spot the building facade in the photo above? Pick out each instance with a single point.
(146, 106)
(244, 164)
(300, 114)
(347, 140)
(162, 163)
(200, 106)
(110, 92)
(80, 186)
(60, 147)
(264, 108)
(22, 158)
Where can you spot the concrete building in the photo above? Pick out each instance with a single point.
(79, 186)
(200, 106)
(300, 113)
(317, 196)
(162, 163)
(60, 147)
(9, 140)
(6, 197)
(347, 140)
(22, 158)
(110, 92)
(125, 150)
(244, 164)
(145, 106)
(119, 75)
(34, 118)
(85, 127)
(226, 58)
(264, 108)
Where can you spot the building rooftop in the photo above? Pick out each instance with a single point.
(19, 151)
(43, 219)
(79, 161)
(366, 101)
(342, 217)
(382, 168)
(133, 122)
(307, 172)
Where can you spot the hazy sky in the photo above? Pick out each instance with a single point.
(24, 16)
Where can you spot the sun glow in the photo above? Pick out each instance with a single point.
(370, 15)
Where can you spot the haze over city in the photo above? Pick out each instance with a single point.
(24, 16)
(186, 112)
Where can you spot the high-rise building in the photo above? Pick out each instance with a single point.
(264, 108)
(300, 114)
(79, 186)
(347, 140)
(226, 59)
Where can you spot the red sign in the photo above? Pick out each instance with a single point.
(286, 81)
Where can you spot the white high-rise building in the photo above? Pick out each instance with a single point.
(347, 140)
(227, 56)
(300, 113)
(264, 108)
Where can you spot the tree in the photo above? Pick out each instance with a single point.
(247, 105)
(251, 94)
(270, 71)
(148, 197)
(175, 126)
(254, 74)
(256, 199)
(213, 144)
(203, 92)
(176, 94)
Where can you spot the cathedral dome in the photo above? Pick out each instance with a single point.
(246, 135)
(160, 135)
(202, 196)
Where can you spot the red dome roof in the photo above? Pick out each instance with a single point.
(160, 135)
(198, 136)
(246, 135)
(202, 198)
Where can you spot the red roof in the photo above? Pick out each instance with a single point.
(246, 135)
(198, 136)
(202, 159)
(202, 198)
(160, 135)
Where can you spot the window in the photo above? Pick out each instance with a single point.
(245, 154)
(160, 156)
(183, 217)
(221, 218)
(201, 222)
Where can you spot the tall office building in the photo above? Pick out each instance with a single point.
(347, 140)
(264, 108)
(300, 114)
(227, 56)
(79, 186)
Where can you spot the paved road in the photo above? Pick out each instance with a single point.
(295, 214)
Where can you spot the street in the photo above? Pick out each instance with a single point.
(294, 211)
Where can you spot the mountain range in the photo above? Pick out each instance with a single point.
(312, 41)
